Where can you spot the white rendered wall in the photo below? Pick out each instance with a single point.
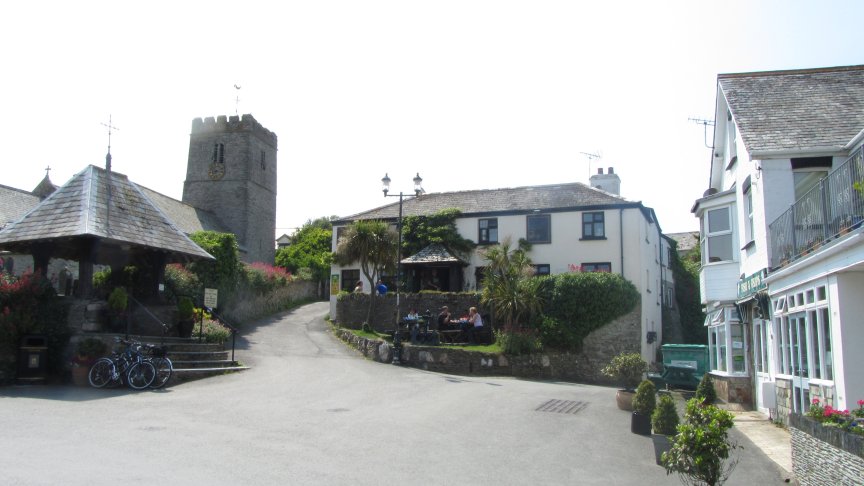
(848, 339)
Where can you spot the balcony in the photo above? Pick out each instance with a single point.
(827, 212)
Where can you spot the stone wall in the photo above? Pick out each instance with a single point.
(621, 335)
(733, 389)
(825, 455)
(351, 309)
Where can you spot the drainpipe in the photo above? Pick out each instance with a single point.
(621, 236)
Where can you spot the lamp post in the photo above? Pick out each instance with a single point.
(418, 189)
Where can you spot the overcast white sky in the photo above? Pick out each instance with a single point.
(470, 94)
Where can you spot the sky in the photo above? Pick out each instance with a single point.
(469, 94)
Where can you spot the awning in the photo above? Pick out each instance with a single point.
(434, 253)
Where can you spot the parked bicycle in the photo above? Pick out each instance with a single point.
(129, 367)
(158, 356)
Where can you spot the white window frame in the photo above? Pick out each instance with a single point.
(722, 324)
(707, 234)
(811, 304)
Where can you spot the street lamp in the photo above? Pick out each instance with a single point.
(418, 189)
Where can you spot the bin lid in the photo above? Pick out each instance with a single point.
(34, 341)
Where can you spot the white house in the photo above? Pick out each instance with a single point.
(572, 227)
(781, 241)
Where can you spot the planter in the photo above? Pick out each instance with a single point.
(79, 374)
(184, 328)
(640, 424)
(624, 399)
(662, 443)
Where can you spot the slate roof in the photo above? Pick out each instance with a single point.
(686, 241)
(79, 208)
(187, 218)
(794, 110)
(490, 201)
(14, 204)
(434, 253)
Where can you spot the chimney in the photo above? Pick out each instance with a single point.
(609, 182)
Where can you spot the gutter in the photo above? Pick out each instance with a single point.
(800, 152)
(855, 140)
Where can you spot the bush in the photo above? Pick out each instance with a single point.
(118, 300)
(702, 446)
(579, 303)
(518, 341)
(213, 331)
(705, 391)
(185, 308)
(664, 420)
(262, 278)
(626, 369)
(644, 401)
(179, 281)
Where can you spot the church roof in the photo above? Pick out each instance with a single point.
(15, 203)
(80, 208)
(45, 188)
(188, 219)
(525, 199)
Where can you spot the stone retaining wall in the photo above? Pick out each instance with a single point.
(351, 309)
(825, 455)
(621, 335)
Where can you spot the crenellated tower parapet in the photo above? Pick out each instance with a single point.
(233, 123)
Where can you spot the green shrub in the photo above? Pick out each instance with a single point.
(645, 400)
(180, 281)
(702, 448)
(664, 420)
(518, 341)
(118, 300)
(185, 308)
(705, 391)
(579, 303)
(626, 369)
(213, 331)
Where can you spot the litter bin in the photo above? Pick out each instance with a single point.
(681, 358)
(33, 359)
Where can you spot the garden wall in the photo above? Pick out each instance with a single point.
(621, 335)
(825, 455)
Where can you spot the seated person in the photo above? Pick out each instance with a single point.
(412, 315)
(475, 323)
(444, 319)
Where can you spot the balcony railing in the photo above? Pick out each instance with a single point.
(829, 210)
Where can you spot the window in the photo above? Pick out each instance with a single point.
(597, 267)
(542, 269)
(807, 171)
(539, 228)
(350, 279)
(717, 236)
(263, 161)
(479, 275)
(340, 230)
(760, 345)
(219, 153)
(488, 231)
(804, 347)
(593, 226)
(726, 341)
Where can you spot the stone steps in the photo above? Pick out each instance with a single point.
(193, 360)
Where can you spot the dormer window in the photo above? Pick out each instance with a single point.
(717, 235)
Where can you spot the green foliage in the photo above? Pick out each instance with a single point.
(118, 300)
(185, 308)
(705, 391)
(645, 400)
(181, 282)
(310, 249)
(580, 303)
(686, 274)
(224, 273)
(29, 305)
(372, 244)
(90, 348)
(261, 278)
(213, 331)
(664, 420)
(702, 448)
(509, 288)
(518, 340)
(101, 281)
(626, 369)
(418, 232)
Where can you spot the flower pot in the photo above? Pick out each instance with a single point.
(184, 327)
(662, 443)
(624, 399)
(79, 374)
(640, 424)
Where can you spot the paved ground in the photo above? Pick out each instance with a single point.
(311, 411)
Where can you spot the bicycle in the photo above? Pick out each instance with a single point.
(158, 356)
(128, 366)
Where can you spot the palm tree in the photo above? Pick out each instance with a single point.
(508, 285)
(371, 243)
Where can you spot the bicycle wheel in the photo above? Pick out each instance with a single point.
(164, 369)
(101, 372)
(140, 375)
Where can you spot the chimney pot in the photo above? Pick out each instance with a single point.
(611, 170)
(600, 171)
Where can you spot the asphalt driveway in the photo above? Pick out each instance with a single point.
(311, 411)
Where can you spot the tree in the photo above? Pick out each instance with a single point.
(686, 273)
(702, 448)
(509, 286)
(372, 244)
(310, 248)
(418, 232)
(224, 273)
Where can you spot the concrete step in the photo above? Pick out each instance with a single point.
(188, 374)
(215, 363)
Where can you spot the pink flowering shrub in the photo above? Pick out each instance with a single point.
(262, 277)
(832, 417)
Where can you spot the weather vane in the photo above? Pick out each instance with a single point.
(108, 157)
(237, 100)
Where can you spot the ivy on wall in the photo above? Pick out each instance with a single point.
(686, 273)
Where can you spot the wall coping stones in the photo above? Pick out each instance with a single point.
(845, 441)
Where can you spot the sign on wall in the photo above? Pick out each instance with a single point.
(211, 298)
(334, 284)
(751, 285)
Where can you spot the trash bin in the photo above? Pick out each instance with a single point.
(33, 359)
(692, 356)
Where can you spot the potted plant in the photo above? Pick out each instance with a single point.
(626, 369)
(701, 450)
(185, 316)
(664, 422)
(118, 300)
(86, 353)
(643, 406)
(705, 392)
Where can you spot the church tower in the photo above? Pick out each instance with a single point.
(232, 173)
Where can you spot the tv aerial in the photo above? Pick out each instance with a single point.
(705, 123)
(590, 158)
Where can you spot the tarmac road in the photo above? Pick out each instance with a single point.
(312, 411)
